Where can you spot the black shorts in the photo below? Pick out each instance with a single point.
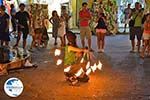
(25, 31)
(136, 31)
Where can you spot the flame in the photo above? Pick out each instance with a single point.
(94, 67)
(57, 52)
(59, 61)
(82, 60)
(79, 72)
(67, 69)
(88, 65)
(88, 71)
(99, 66)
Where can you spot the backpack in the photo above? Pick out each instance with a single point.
(4, 54)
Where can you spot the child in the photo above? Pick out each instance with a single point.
(45, 36)
(72, 59)
(54, 20)
(36, 37)
(146, 36)
(62, 30)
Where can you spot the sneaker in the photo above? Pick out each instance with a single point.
(102, 50)
(132, 51)
(91, 50)
(25, 52)
(99, 50)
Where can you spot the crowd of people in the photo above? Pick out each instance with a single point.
(21, 23)
(139, 27)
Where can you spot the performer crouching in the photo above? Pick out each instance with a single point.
(75, 61)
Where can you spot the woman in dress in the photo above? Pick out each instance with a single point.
(54, 20)
(62, 30)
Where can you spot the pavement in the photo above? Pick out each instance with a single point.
(124, 76)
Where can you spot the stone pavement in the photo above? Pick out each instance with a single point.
(122, 76)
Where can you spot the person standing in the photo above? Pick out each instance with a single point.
(136, 29)
(45, 37)
(101, 30)
(13, 20)
(146, 36)
(54, 20)
(67, 18)
(85, 31)
(127, 13)
(22, 18)
(62, 30)
(4, 26)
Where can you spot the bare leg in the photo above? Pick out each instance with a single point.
(33, 42)
(133, 44)
(7, 43)
(98, 41)
(83, 43)
(89, 43)
(2, 43)
(18, 39)
(125, 25)
(144, 48)
(103, 40)
(139, 44)
(55, 41)
(24, 43)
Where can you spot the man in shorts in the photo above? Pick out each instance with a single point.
(136, 30)
(85, 31)
(22, 18)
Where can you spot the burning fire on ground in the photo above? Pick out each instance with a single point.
(90, 66)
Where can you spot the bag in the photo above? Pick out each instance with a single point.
(131, 23)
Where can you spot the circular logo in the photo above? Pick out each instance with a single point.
(13, 87)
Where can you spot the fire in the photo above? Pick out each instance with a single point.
(67, 69)
(57, 52)
(82, 60)
(59, 61)
(94, 67)
(99, 66)
(88, 71)
(79, 72)
(88, 65)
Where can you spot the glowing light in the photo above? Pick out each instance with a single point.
(82, 60)
(99, 66)
(94, 67)
(79, 72)
(88, 65)
(67, 69)
(59, 61)
(57, 52)
(88, 71)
